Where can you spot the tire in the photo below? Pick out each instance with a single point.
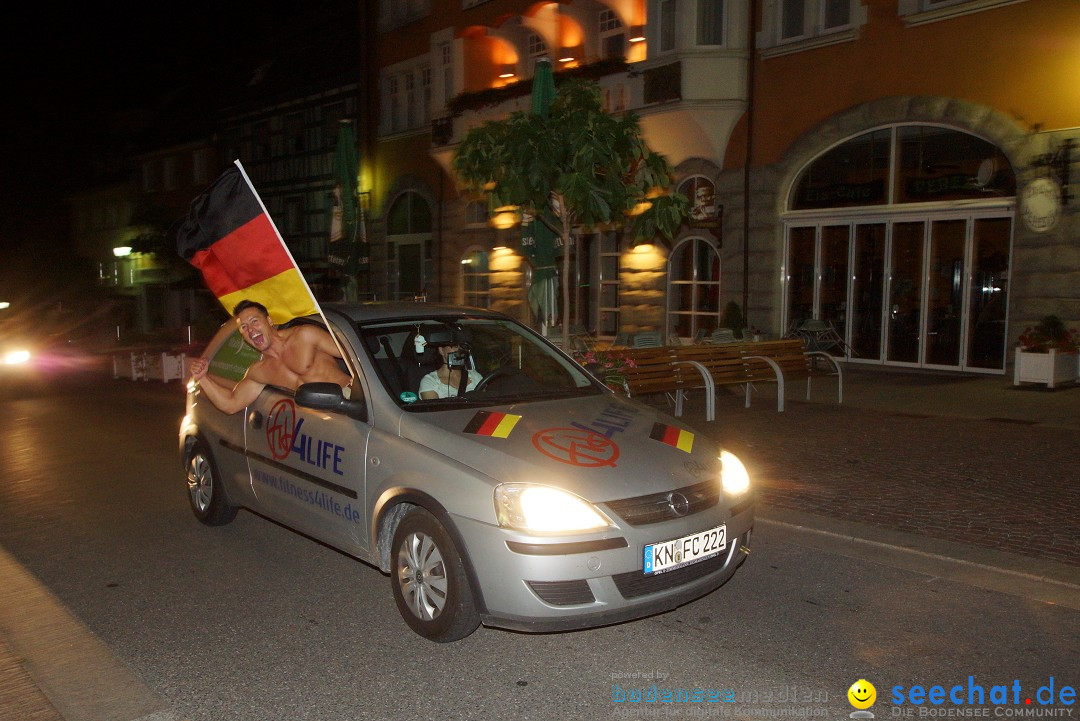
(431, 587)
(206, 494)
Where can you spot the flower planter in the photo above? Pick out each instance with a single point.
(1052, 368)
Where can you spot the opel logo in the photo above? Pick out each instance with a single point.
(678, 503)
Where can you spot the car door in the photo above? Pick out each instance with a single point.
(307, 468)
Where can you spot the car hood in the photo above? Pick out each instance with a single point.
(602, 447)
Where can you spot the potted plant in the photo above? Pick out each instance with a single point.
(1047, 353)
(611, 365)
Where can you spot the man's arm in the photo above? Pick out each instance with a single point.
(228, 400)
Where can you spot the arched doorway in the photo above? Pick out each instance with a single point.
(901, 238)
(410, 267)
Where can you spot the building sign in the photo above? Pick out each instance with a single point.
(1040, 204)
(837, 194)
(705, 212)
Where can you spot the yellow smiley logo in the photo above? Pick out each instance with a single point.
(862, 694)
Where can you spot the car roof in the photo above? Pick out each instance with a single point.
(405, 310)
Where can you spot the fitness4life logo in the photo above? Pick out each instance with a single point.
(285, 437)
(280, 425)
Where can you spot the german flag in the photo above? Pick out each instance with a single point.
(487, 423)
(681, 439)
(229, 237)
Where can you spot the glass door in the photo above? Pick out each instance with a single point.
(945, 292)
(989, 295)
(904, 319)
(834, 278)
(800, 274)
(867, 291)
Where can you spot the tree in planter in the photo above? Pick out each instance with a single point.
(577, 167)
(732, 317)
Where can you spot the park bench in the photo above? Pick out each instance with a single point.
(674, 370)
(657, 371)
(787, 359)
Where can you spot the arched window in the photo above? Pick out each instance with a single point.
(408, 227)
(693, 288)
(476, 279)
(904, 164)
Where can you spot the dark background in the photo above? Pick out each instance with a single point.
(94, 82)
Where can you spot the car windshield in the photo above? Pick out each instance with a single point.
(446, 362)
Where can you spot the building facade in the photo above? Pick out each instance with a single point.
(897, 168)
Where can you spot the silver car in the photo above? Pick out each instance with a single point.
(539, 500)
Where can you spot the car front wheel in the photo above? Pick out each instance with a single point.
(205, 492)
(431, 588)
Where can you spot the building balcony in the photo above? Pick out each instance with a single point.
(687, 104)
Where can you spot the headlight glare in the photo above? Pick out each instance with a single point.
(733, 475)
(545, 509)
(16, 357)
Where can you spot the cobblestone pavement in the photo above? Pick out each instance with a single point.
(1000, 483)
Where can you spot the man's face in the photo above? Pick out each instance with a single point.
(255, 327)
(704, 195)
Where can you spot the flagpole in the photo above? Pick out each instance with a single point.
(318, 306)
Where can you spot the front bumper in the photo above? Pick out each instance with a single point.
(565, 585)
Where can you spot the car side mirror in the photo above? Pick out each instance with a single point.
(328, 397)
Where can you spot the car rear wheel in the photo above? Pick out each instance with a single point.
(205, 492)
(431, 588)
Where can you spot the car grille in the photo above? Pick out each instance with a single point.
(636, 583)
(563, 593)
(657, 507)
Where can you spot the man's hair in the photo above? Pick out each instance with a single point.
(245, 304)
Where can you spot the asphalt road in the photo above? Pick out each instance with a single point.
(253, 621)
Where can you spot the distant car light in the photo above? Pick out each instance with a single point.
(16, 357)
(733, 475)
(545, 509)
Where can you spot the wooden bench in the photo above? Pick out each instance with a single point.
(674, 370)
(656, 370)
(782, 360)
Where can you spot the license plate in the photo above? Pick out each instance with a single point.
(669, 555)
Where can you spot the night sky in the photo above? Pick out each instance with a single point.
(68, 73)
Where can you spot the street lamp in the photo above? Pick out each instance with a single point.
(122, 251)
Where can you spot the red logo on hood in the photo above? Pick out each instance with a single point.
(577, 447)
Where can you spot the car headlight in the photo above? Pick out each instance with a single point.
(16, 357)
(733, 475)
(545, 509)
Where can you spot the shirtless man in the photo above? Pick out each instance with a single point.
(290, 356)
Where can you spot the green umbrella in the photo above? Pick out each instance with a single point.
(344, 236)
(537, 238)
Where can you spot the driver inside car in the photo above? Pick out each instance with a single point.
(456, 375)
